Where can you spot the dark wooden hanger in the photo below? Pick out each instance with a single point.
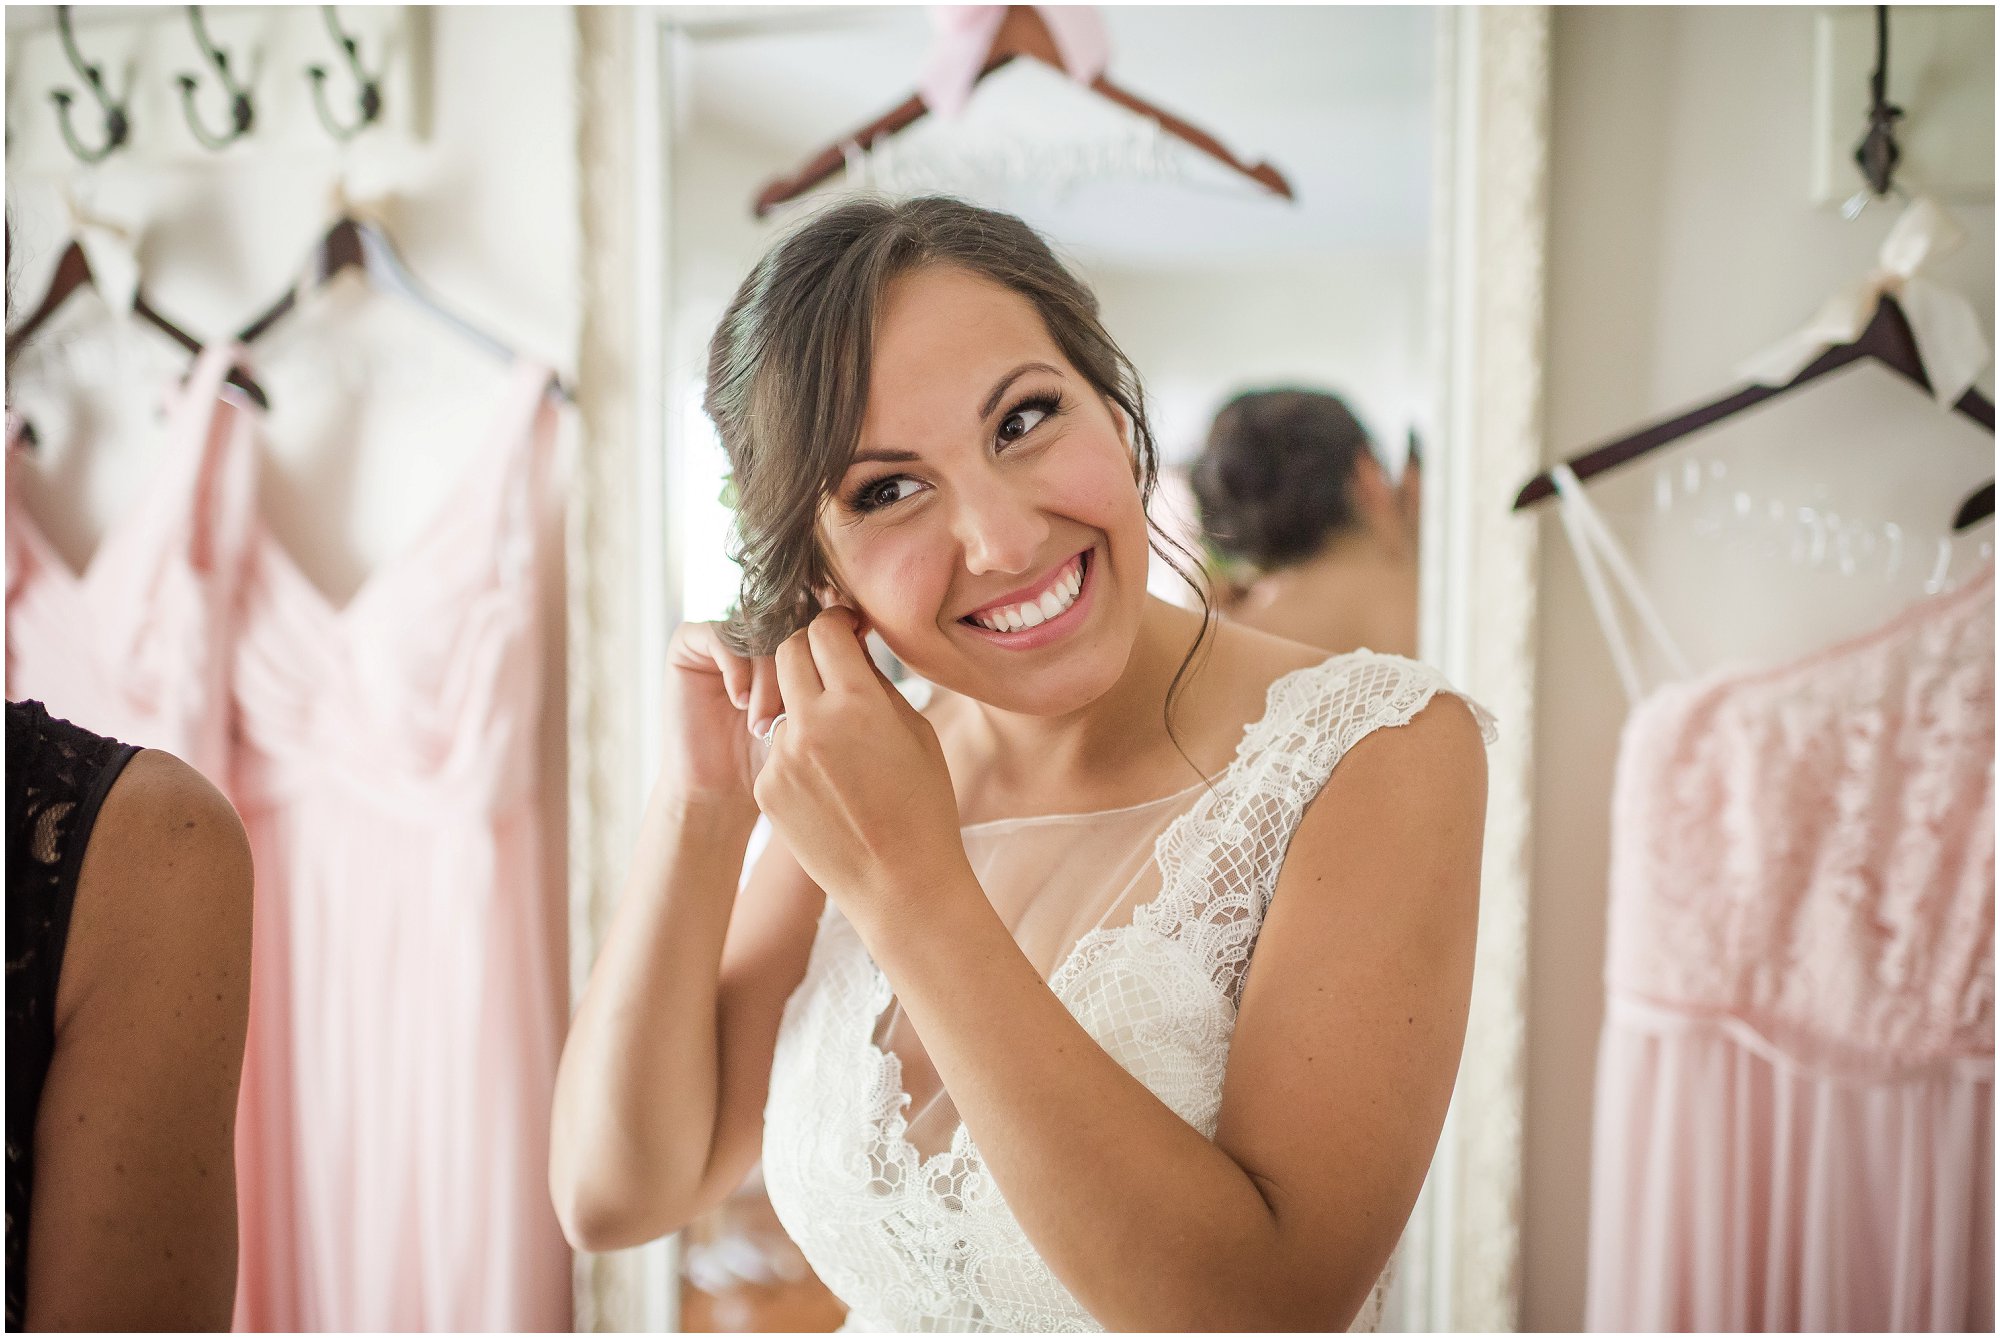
(73, 275)
(1022, 33)
(1977, 507)
(1887, 340)
(353, 243)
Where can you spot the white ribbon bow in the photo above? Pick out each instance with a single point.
(1950, 343)
(113, 255)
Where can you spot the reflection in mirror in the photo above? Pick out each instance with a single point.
(1301, 505)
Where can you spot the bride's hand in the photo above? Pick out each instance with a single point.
(856, 782)
(715, 699)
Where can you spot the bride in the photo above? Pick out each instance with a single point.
(1122, 984)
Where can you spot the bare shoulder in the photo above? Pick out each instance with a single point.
(165, 882)
(1257, 655)
(1408, 802)
(1238, 668)
(158, 797)
(1442, 743)
(133, 1171)
(1445, 734)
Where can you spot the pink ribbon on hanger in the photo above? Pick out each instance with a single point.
(965, 36)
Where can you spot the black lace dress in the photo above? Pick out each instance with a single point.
(57, 776)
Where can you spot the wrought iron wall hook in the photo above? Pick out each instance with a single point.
(1878, 153)
(241, 114)
(368, 101)
(117, 125)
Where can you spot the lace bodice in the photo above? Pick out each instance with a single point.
(1810, 849)
(911, 1232)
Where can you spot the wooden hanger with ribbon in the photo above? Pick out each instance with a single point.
(1895, 317)
(121, 291)
(1075, 47)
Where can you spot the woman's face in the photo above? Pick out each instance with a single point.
(989, 525)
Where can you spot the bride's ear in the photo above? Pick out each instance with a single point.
(1123, 419)
(1125, 432)
(830, 595)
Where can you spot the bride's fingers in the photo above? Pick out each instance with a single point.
(838, 653)
(798, 679)
(697, 647)
(736, 677)
(765, 699)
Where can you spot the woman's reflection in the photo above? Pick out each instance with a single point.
(1311, 538)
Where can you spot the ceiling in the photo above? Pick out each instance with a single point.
(1338, 98)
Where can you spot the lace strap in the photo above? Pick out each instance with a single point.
(1219, 862)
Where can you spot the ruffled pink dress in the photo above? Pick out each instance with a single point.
(1794, 1110)
(136, 645)
(409, 993)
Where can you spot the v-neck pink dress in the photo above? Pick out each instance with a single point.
(408, 995)
(136, 644)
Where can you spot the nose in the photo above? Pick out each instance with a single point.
(1000, 529)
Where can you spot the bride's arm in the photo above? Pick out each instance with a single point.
(1345, 1050)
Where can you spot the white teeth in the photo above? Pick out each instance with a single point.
(1033, 613)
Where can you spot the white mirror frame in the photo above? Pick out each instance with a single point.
(1462, 1256)
(1478, 572)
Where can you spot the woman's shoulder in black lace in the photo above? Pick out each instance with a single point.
(57, 776)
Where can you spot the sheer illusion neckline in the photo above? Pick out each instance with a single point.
(991, 824)
(1243, 744)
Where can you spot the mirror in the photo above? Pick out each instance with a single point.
(1210, 283)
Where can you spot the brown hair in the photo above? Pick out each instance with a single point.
(1275, 480)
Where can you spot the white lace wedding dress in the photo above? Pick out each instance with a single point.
(1143, 921)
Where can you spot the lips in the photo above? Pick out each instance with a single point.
(1025, 610)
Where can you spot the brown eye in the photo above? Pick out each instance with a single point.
(885, 492)
(1026, 418)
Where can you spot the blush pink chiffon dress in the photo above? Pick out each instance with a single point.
(1794, 1092)
(409, 992)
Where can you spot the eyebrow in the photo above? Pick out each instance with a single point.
(882, 455)
(993, 400)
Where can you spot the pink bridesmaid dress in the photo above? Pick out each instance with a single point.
(409, 993)
(1794, 1102)
(136, 645)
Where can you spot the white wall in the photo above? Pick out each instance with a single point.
(1681, 240)
(1350, 323)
